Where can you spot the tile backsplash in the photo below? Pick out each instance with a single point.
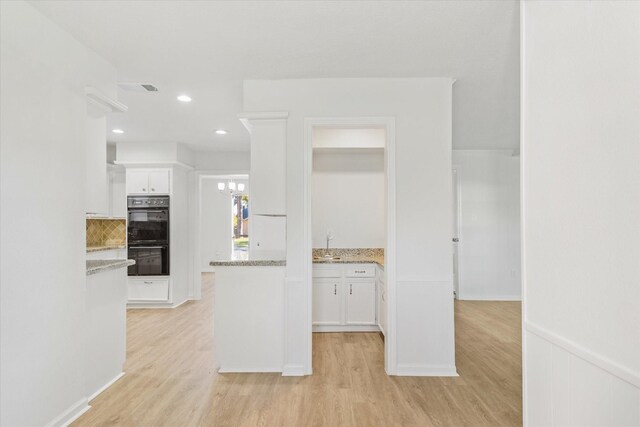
(106, 232)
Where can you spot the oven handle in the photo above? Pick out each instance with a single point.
(149, 211)
(148, 247)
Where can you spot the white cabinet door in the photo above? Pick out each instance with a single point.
(268, 237)
(327, 302)
(159, 182)
(361, 302)
(137, 182)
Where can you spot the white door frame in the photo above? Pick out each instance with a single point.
(387, 123)
(196, 285)
(458, 213)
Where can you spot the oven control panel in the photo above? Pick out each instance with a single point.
(147, 201)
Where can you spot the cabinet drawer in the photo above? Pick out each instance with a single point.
(148, 290)
(361, 271)
(326, 272)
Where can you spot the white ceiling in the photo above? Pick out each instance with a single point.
(207, 48)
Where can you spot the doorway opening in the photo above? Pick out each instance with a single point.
(222, 223)
(240, 221)
(350, 218)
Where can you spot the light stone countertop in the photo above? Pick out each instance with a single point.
(249, 263)
(104, 248)
(355, 259)
(100, 265)
(350, 256)
(346, 255)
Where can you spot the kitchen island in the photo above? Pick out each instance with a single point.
(249, 315)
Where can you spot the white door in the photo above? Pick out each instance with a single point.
(361, 302)
(137, 182)
(327, 302)
(455, 232)
(159, 182)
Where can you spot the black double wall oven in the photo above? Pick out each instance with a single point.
(148, 235)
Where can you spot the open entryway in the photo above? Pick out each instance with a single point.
(350, 233)
(223, 229)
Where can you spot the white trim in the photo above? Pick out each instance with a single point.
(346, 328)
(180, 303)
(490, 298)
(156, 304)
(102, 101)
(71, 414)
(523, 221)
(246, 118)
(456, 168)
(418, 370)
(152, 163)
(388, 123)
(293, 371)
(106, 386)
(602, 362)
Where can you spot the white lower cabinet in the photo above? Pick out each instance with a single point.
(327, 302)
(361, 302)
(148, 290)
(344, 298)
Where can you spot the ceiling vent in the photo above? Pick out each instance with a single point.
(138, 87)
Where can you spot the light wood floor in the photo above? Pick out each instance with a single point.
(170, 378)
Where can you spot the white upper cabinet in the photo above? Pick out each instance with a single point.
(159, 182)
(143, 181)
(137, 182)
(268, 162)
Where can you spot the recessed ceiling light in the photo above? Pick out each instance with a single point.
(117, 131)
(184, 98)
(221, 132)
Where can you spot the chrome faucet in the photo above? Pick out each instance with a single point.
(329, 238)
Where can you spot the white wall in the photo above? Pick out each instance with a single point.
(489, 227)
(581, 210)
(215, 223)
(180, 256)
(348, 138)
(43, 108)
(348, 198)
(146, 152)
(228, 161)
(422, 111)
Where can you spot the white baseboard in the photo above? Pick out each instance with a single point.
(417, 370)
(72, 413)
(489, 298)
(180, 303)
(346, 328)
(293, 371)
(106, 386)
(145, 304)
